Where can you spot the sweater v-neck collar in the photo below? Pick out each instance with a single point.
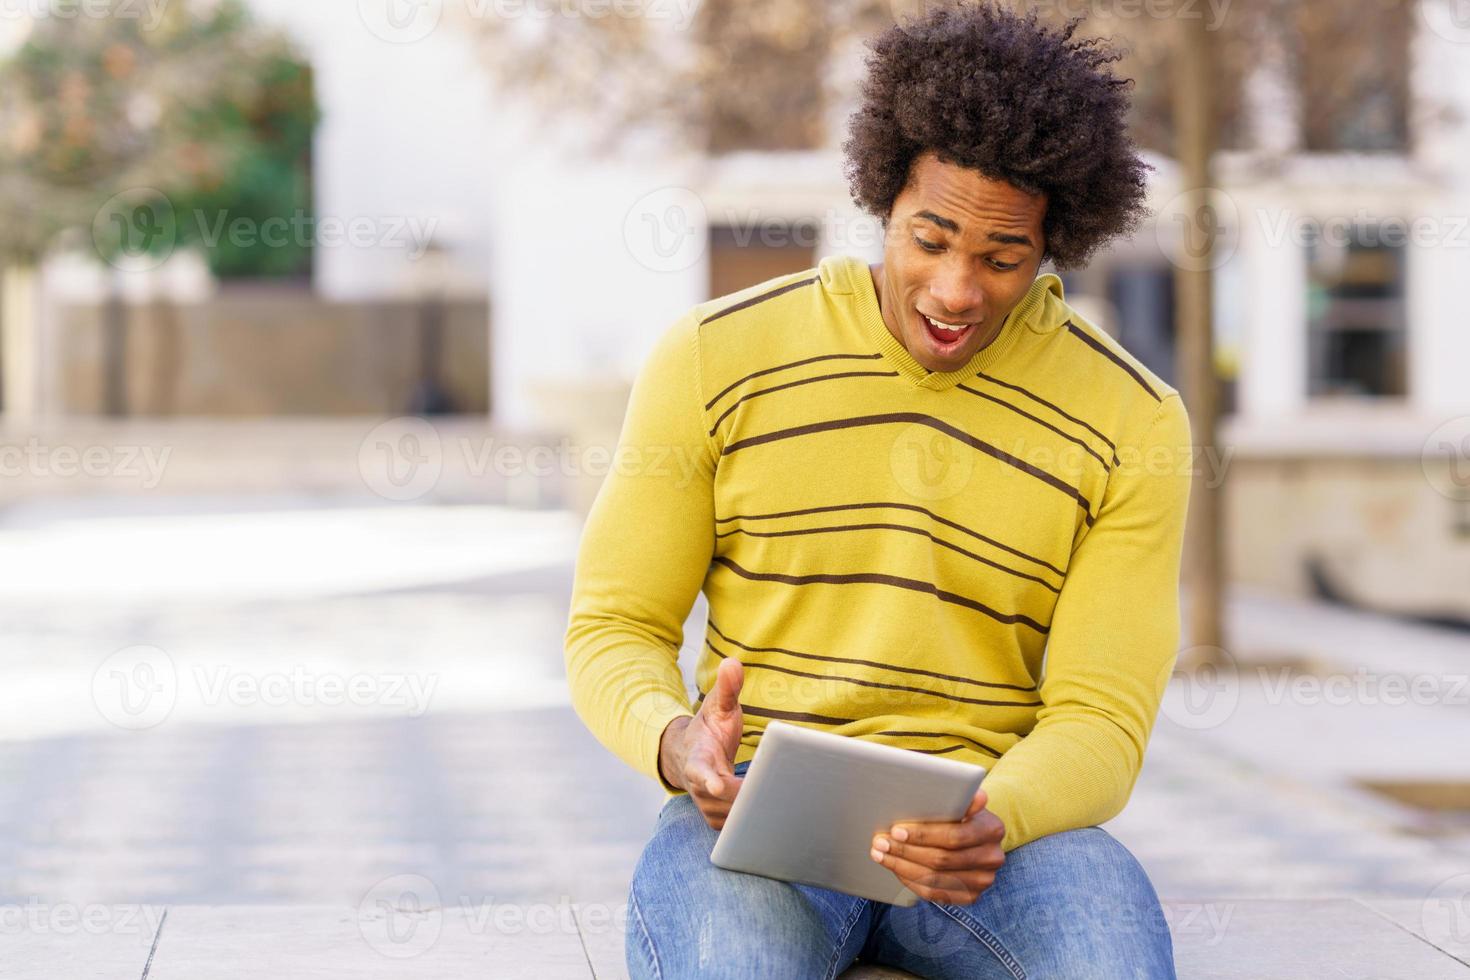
(871, 316)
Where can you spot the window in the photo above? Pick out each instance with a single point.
(741, 257)
(1356, 329)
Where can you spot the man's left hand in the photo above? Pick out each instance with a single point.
(948, 862)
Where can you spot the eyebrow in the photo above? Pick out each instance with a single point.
(1004, 238)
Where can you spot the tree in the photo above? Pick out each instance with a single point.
(202, 106)
(120, 125)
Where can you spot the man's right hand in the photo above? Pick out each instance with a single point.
(698, 754)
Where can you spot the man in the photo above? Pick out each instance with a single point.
(930, 506)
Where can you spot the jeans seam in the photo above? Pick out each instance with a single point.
(857, 911)
(644, 938)
(987, 939)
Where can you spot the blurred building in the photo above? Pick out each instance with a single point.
(1340, 313)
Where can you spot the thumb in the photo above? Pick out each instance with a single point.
(725, 698)
(977, 804)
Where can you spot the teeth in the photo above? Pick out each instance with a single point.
(945, 327)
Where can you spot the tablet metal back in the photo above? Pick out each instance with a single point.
(812, 801)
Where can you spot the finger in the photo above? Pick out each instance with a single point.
(716, 786)
(976, 804)
(715, 813)
(700, 775)
(917, 876)
(985, 857)
(983, 827)
(707, 766)
(944, 896)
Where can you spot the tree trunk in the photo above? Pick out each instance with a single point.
(20, 352)
(1194, 125)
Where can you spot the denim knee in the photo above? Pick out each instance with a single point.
(689, 918)
(1086, 908)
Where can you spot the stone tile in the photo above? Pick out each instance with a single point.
(1288, 940)
(375, 941)
(98, 942)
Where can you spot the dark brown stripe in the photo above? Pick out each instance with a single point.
(867, 663)
(796, 384)
(760, 712)
(784, 367)
(1102, 349)
(828, 720)
(1054, 407)
(893, 527)
(874, 578)
(918, 418)
(746, 304)
(943, 751)
(897, 506)
(1023, 412)
(876, 685)
(974, 741)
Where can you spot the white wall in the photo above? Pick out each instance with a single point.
(407, 134)
(573, 298)
(1439, 306)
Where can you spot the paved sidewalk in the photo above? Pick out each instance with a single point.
(1263, 940)
(496, 794)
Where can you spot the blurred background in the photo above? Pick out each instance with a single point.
(317, 323)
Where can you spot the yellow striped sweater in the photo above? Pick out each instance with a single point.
(982, 563)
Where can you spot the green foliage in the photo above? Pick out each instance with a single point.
(152, 133)
(264, 184)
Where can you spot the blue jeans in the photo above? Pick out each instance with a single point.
(1070, 906)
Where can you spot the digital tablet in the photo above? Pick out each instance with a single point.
(812, 801)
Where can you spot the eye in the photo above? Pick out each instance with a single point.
(928, 246)
(1005, 266)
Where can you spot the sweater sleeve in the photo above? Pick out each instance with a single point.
(1112, 644)
(642, 559)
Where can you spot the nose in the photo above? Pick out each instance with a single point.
(957, 291)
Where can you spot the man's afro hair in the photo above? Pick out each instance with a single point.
(998, 92)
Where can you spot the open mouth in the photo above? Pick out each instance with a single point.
(946, 336)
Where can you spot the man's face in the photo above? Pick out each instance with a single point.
(961, 249)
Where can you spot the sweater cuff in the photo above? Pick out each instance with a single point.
(659, 720)
(1001, 801)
